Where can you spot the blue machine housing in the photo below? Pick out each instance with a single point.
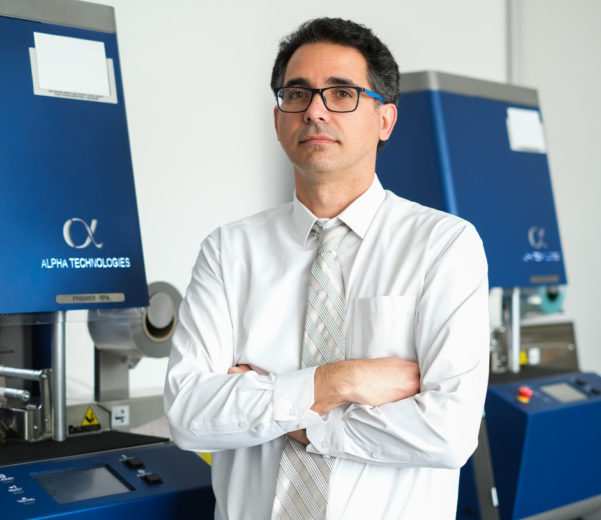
(184, 490)
(64, 159)
(70, 239)
(450, 150)
(546, 453)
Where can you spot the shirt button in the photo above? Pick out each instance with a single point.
(324, 444)
(293, 411)
(243, 425)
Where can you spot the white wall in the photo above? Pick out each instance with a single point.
(196, 80)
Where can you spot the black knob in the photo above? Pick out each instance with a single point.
(152, 478)
(133, 463)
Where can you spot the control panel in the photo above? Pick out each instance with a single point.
(544, 445)
(550, 393)
(159, 481)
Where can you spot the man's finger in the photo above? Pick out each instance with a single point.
(300, 436)
(239, 369)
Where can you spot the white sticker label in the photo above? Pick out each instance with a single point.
(525, 130)
(71, 64)
(119, 416)
(39, 91)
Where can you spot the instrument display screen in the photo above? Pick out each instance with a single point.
(563, 392)
(71, 485)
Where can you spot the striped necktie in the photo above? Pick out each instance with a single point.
(303, 478)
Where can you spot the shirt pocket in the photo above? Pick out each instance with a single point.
(383, 326)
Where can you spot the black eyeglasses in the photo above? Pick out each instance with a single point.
(336, 99)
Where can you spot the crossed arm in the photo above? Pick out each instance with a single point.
(372, 382)
(378, 412)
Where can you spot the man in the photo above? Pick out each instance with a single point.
(387, 297)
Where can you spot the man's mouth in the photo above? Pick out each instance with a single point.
(317, 139)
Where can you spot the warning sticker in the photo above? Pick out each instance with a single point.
(89, 418)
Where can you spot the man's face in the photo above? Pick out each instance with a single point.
(320, 142)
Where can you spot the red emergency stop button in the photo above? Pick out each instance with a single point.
(524, 394)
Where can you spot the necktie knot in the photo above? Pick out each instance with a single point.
(330, 238)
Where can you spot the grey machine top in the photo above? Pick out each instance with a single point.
(73, 13)
(432, 80)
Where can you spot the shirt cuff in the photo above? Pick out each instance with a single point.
(293, 396)
(327, 435)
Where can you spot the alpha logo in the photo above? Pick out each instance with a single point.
(89, 230)
(536, 237)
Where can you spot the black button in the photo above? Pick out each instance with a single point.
(580, 382)
(152, 478)
(596, 391)
(133, 463)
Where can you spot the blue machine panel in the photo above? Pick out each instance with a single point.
(545, 453)
(468, 507)
(451, 151)
(69, 231)
(170, 483)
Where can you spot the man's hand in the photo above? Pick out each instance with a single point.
(239, 369)
(364, 381)
(300, 436)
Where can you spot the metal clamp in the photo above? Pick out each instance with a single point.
(33, 421)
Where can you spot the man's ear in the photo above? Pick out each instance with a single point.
(275, 121)
(388, 115)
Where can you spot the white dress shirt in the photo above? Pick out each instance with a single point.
(416, 288)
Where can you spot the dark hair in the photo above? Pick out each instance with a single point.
(382, 70)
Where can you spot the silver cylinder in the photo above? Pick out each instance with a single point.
(22, 373)
(59, 378)
(15, 393)
(513, 355)
(136, 333)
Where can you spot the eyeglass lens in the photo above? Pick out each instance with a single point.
(336, 99)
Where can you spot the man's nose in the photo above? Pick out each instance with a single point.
(317, 110)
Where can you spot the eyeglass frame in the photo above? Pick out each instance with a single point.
(320, 91)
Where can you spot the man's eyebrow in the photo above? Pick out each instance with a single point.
(298, 82)
(332, 80)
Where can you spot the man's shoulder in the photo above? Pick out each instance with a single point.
(401, 209)
(266, 221)
(430, 228)
(263, 218)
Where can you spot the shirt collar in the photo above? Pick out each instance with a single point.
(357, 215)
